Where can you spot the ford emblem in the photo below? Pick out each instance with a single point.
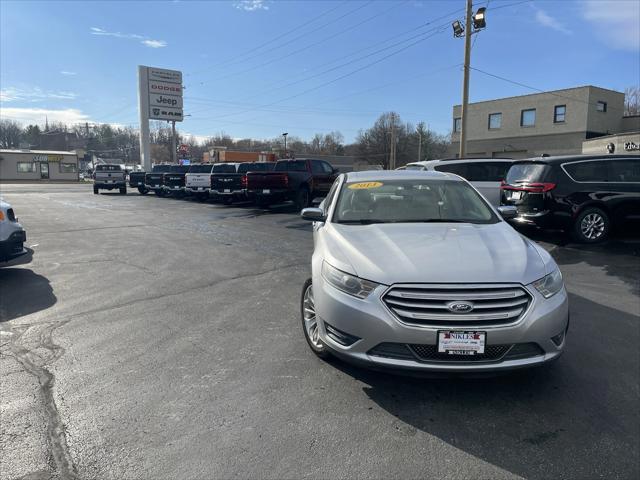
(460, 307)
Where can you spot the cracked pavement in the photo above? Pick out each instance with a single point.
(159, 338)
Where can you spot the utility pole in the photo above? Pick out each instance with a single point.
(392, 154)
(419, 143)
(465, 82)
(173, 142)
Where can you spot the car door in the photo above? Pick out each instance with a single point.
(624, 186)
(321, 178)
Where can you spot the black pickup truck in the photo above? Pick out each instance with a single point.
(137, 180)
(153, 180)
(173, 180)
(232, 185)
(299, 180)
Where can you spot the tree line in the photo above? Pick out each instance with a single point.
(372, 145)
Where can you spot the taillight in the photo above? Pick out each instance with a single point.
(529, 187)
(243, 181)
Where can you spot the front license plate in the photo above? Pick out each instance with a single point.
(200, 189)
(266, 190)
(453, 342)
(516, 195)
(226, 190)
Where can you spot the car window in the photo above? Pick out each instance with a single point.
(108, 168)
(591, 171)
(316, 166)
(487, 171)
(330, 195)
(624, 170)
(224, 168)
(527, 173)
(200, 168)
(457, 168)
(414, 200)
(255, 167)
(327, 168)
(291, 166)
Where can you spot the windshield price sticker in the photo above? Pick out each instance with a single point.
(365, 185)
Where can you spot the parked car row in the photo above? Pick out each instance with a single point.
(586, 196)
(264, 183)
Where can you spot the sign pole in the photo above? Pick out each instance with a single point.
(143, 109)
(173, 141)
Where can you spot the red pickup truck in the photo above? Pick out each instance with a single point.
(299, 180)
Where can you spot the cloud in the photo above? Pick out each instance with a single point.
(38, 115)
(67, 73)
(146, 41)
(12, 94)
(546, 20)
(616, 22)
(251, 5)
(154, 43)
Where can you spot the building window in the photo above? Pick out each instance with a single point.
(26, 167)
(528, 118)
(68, 168)
(559, 112)
(457, 125)
(601, 106)
(495, 121)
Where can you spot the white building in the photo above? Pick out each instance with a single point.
(38, 165)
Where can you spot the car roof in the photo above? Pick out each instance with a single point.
(556, 160)
(378, 175)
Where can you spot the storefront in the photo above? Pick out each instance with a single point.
(38, 165)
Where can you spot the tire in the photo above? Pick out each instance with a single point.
(591, 226)
(262, 202)
(159, 193)
(309, 325)
(123, 191)
(143, 191)
(227, 200)
(303, 198)
(95, 190)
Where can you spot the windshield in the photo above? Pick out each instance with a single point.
(419, 200)
(200, 168)
(255, 167)
(526, 172)
(291, 166)
(224, 168)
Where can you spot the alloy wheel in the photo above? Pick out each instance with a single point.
(309, 315)
(592, 226)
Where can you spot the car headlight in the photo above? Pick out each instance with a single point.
(347, 283)
(550, 284)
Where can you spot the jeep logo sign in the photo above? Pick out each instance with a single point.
(163, 100)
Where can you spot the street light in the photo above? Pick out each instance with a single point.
(479, 22)
(285, 142)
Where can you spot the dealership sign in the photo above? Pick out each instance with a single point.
(631, 146)
(164, 94)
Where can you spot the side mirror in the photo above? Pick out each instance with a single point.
(313, 214)
(507, 211)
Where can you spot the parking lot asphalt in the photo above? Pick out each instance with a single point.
(160, 338)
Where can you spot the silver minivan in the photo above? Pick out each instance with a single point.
(485, 174)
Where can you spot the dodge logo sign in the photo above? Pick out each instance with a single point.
(460, 307)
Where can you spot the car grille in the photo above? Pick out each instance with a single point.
(430, 352)
(428, 305)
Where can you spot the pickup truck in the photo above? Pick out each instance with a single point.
(173, 180)
(233, 185)
(299, 180)
(197, 181)
(108, 176)
(137, 180)
(153, 180)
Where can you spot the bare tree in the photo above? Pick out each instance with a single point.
(632, 101)
(10, 134)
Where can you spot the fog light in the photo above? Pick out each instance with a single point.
(339, 336)
(558, 339)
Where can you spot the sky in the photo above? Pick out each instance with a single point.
(258, 68)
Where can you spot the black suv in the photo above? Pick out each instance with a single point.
(585, 195)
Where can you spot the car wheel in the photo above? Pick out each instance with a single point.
(302, 198)
(591, 226)
(95, 190)
(123, 191)
(310, 322)
(143, 191)
(227, 200)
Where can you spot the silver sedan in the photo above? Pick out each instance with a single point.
(417, 271)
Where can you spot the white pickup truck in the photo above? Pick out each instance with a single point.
(198, 180)
(108, 176)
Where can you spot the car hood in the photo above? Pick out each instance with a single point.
(435, 253)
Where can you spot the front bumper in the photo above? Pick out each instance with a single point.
(13, 246)
(373, 324)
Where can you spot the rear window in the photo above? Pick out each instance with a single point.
(255, 167)
(200, 168)
(179, 168)
(108, 168)
(527, 173)
(291, 166)
(160, 168)
(224, 168)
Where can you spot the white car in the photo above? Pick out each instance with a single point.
(12, 235)
(485, 174)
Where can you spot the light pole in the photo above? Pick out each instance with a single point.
(479, 22)
(173, 142)
(285, 143)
